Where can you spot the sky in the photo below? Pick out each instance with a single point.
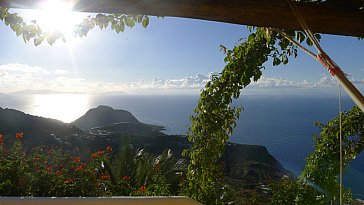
(172, 55)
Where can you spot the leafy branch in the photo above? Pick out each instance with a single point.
(32, 31)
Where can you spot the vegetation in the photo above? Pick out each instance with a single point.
(248, 169)
(51, 172)
(318, 183)
(215, 119)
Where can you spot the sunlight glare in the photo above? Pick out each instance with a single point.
(57, 15)
(64, 107)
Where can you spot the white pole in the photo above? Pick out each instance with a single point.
(354, 93)
(335, 70)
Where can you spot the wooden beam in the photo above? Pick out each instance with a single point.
(321, 18)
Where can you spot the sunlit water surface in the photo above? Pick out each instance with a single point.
(64, 107)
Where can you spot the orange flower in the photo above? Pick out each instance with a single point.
(109, 148)
(100, 152)
(79, 168)
(77, 160)
(97, 184)
(19, 135)
(143, 188)
(94, 155)
(105, 177)
(126, 178)
(1, 139)
(68, 181)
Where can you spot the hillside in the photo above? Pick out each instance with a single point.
(103, 116)
(247, 168)
(37, 130)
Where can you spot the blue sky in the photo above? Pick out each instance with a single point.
(172, 55)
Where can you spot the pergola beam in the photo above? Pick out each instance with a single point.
(321, 18)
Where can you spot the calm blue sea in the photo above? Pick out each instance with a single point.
(284, 124)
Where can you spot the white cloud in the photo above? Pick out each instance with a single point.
(191, 82)
(199, 81)
(22, 68)
(17, 77)
(325, 81)
(60, 72)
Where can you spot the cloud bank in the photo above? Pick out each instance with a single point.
(17, 77)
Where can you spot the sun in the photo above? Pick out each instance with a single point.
(57, 16)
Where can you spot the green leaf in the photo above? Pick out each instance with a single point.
(139, 18)
(19, 31)
(309, 42)
(300, 36)
(38, 40)
(129, 21)
(318, 37)
(145, 22)
(276, 61)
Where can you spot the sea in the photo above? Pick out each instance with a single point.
(282, 123)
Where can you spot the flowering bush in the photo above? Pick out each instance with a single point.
(52, 172)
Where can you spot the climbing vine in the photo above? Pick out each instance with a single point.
(323, 165)
(215, 119)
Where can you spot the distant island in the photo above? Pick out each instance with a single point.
(246, 167)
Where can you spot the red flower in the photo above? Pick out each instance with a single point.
(77, 160)
(19, 135)
(100, 152)
(79, 168)
(126, 178)
(94, 155)
(61, 166)
(109, 148)
(59, 172)
(49, 170)
(105, 177)
(1, 139)
(143, 188)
